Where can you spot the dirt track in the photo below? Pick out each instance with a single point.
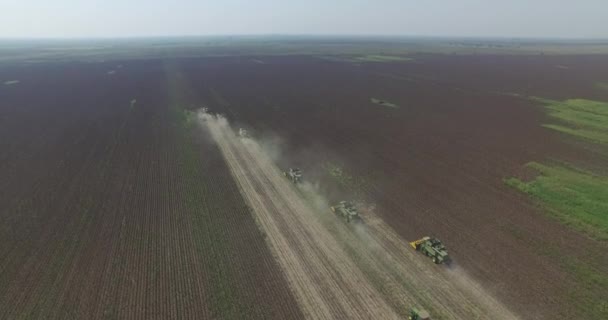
(337, 270)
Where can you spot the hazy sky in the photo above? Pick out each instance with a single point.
(123, 18)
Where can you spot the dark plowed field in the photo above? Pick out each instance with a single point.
(434, 165)
(112, 211)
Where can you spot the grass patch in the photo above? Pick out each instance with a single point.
(384, 103)
(592, 282)
(367, 58)
(602, 85)
(380, 58)
(11, 82)
(586, 119)
(576, 197)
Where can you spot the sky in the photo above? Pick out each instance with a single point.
(144, 18)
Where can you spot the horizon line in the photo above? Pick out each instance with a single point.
(303, 35)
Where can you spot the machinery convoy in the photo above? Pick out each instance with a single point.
(432, 248)
(347, 211)
(294, 174)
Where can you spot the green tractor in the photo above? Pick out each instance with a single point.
(243, 133)
(346, 210)
(416, 314)
(294, 174)
(432, 248)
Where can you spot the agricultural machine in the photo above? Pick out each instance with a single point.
(347, 211)
(294, 174)
(432, 248)
(419, 314)
(243, 133)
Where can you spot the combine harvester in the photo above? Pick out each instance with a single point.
(347, 211)
(416, 314)
(243, 133)
(432, 248)
(294, 174)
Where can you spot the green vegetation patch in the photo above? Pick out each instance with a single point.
(11, 82)
(592, 281)
(384, 103)
(582, 118)
(367, 58)
(380, 58)
(595, 283)
(576, 197)
(602, 85)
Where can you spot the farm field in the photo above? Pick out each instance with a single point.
(438, 164)
(313, 248)
(119, 199)
(110, 210)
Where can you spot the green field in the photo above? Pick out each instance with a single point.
(582, 118)
(380, 58)
(367, 58)
(602, 85)
(342, 48)
(384, 103)
(576, 197)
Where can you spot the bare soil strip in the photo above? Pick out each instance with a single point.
(337, 270)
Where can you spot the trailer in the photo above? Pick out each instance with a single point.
(432, 248)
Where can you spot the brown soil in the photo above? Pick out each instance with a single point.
(103, 215)
(327, 282)
(436, 165)
(109, 212)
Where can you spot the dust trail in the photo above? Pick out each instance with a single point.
(337, 270)
(325, 281)
(408, 278)
(451, 291)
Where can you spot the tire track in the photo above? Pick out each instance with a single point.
(325, 281)
(337, 271)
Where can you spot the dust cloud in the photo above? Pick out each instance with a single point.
(338, 270)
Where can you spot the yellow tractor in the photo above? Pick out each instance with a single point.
(432, 248)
